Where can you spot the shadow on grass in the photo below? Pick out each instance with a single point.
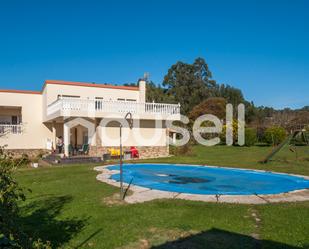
(220, 239)
(40, 220)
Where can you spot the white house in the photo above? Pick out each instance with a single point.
(83, 113)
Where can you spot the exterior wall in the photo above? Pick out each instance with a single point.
(51, 92)
(144, 151)
(31, 153)
(142, 91)
(108, 135)
(35, 133)
(151, 144)
(146, 135)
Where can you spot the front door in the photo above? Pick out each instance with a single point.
(14, 120)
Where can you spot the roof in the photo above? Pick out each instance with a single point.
(72, 83)
(87, 84)
(19, 91)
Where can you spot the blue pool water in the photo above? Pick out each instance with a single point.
(208, 180)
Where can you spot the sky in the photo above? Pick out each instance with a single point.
(261, 47)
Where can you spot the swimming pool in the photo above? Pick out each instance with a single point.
(208, 180)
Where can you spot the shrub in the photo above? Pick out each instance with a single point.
(250, 136)
(11, 236)
(235, 132)
(185, 150)
(214, 105)
(274, 135)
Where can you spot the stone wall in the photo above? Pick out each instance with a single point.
(32, 153)
(144, 151)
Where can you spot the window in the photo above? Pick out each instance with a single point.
(14, 120)
(68, 96)
(98, 103)
(128, 100)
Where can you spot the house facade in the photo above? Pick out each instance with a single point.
(84, 113)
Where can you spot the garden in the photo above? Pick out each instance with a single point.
(65, 206)
(68, 208)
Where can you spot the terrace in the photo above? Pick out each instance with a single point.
(75, 107)
(10, 120)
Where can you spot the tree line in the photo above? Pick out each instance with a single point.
(193, 86)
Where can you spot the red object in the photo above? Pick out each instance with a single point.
(134, 152)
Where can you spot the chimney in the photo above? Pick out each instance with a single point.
(142, 90)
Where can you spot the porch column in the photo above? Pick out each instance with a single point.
(66, 138)
(98, 132)
(54, 135)
(174, 138)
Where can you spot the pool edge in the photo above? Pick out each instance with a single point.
(143, 194)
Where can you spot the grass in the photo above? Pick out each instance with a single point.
(247, 157)
(67, 206)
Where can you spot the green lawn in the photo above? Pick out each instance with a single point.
(68, 207)
(247, 157)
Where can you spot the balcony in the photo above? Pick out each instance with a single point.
(73, 107)
(10, 129)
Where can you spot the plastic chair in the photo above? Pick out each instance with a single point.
(84, 150)
(134, 152)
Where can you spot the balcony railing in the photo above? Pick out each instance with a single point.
(11, 129)
(100, 106)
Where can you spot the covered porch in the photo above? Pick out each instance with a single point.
(10, 119)
(74, 137)
(144, 140)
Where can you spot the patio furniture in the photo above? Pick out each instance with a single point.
(84, 150)
(127, 155)
(134, 152)
(106, 156)
(71, 150)
(114, 152)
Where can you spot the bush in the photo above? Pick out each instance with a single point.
(235, 133)
(274, 135)
(11, 236)
(250, 136)
(185, 150)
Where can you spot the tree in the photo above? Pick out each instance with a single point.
(232, 95)
(157, 94)
(189, 84)
(213, 105)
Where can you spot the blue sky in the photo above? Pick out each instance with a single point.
(261, 47)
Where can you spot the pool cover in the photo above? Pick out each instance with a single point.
(208, 179)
